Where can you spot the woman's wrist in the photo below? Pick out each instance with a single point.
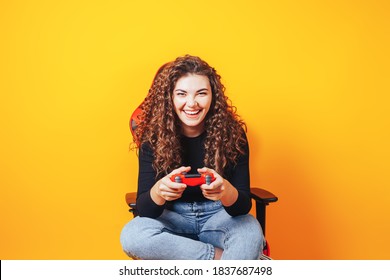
(231, 194)
(156, 197)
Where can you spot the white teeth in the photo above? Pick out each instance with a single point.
(192, 112)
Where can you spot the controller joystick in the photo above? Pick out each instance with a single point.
(208, 179)
(177, 179)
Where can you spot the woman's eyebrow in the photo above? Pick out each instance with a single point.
(202, 89)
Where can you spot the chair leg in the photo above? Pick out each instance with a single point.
(260, 213)
(260, 216)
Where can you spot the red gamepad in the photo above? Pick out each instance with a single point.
(193, 179)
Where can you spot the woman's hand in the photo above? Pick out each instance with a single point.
(220, 189)
(166, 190)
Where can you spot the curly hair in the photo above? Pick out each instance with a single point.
(160, 126)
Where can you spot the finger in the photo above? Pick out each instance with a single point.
(206, 169)
(180, 170)
(169, 184)
(170, 197)
(213, 186)
(209, 188)
(212, 192)
(217, 177)
(172, 193)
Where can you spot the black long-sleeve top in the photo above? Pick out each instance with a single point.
(193, 155)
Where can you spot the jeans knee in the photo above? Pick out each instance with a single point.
(249, 231)
(127, 238)
(134, 236)
(254, 230)
(244, 239)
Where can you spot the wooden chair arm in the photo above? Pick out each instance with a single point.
(263, 195)
(131, 199)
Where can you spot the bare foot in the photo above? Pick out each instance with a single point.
(217, 253)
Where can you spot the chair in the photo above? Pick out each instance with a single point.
(261, 197)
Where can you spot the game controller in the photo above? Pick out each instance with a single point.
(193, 179)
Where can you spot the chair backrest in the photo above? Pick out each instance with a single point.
(134, 119)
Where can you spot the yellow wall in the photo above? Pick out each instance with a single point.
(311, 78)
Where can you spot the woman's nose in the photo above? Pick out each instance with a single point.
(191, 102)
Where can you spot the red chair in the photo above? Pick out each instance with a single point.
(261, 197)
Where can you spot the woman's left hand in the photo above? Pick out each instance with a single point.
(219, 189)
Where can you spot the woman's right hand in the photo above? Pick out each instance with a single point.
(166, 190)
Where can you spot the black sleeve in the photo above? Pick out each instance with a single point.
(146, 179)
(239, 177)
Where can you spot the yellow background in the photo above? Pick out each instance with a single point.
(311, 79)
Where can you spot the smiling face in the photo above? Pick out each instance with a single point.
(192, 98)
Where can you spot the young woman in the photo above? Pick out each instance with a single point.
(189, 126)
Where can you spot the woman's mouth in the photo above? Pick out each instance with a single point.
(192, 113)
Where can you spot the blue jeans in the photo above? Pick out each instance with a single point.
(191, 231)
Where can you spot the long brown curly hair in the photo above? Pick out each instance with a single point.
(159, 125)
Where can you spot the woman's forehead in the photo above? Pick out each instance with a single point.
(192, 82)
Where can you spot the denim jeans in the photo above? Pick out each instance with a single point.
(191, 231)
